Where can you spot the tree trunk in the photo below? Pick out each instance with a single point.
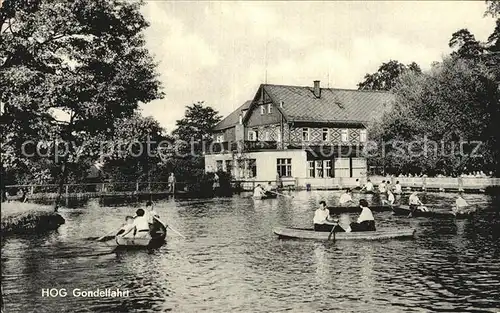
(62, 180)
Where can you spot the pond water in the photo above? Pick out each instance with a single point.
(230, 261)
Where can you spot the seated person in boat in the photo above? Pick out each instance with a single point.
(141, 225)
(259, 192)
(390, 198)
(415, 203)
(461, 206)
(397, 188)
(126, 229)
(365, 222)
(322, 220)
(368, 186)
(268, 188)
(358, 184)
(345, 198)
(381, 187)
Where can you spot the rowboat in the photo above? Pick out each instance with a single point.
(157, 234)
(357, 209)
(309, 233)
(405, 210)
(268, 195)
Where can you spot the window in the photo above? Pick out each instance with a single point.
(278, 134)
(219, 166)
(252, 168)
(362, 135)
(219, 138)
(327, 166)
(229, 166)
(342, 168)
(282, 103)
(305, 134)
(252, 136)
(267, 136)
(262, 109)
(310, 167)
(319, 169)
(241, 119)
(269, 108)
(284, 167)
(344, 135)
(358, 167)
(325, 134)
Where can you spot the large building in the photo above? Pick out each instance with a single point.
(311, 134)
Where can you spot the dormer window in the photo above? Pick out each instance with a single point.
(219, 138)
(282, 103)
(325, 134)
(363, 135)
(269, 108)
(344, 135)
(262, 109)
(252, 135)
(305, 134)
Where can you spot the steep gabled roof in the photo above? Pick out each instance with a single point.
(334, 105)
(233, 118)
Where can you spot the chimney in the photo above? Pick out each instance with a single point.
(317, 89)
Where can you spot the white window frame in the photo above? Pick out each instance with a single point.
(262, 109)
(287, 163)
(219, 138)
(318, 164)
(306, 131)
(327, 132)
(269, 108)
(327, 168)
(363, 135)
(344, 135)
(252, 135)
(310, 169)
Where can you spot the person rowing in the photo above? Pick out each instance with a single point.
(345, 198)
(268, 189)
(259, 192)
(416, 204)
(390, 198)
(381, 187)
(397, 188)
(140, 225)
(365, 221)
(368, 186)
(461, 206)
(323, 221)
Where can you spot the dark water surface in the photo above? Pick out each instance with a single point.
(231, 261)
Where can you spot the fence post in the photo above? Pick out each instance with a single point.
(32, 189)
(424, 183)
(67, 191)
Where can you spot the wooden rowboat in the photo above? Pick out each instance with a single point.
(269, 195)
(309, 233)
(405, 210)
(157, 235)
(357, 209)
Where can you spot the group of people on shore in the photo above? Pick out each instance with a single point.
(140, 225)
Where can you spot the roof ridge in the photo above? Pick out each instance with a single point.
(344, 89)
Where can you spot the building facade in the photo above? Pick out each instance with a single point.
(303, 133)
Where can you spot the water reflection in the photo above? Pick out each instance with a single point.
(231, 261)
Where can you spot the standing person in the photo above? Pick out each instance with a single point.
(171, 183)
(345, 197)
(279, 182)
(322, 220)
(216, 183)
(397, 188)
(365, 221)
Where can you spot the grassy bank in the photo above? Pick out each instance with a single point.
(22, 218)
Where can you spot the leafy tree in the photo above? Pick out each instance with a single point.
(196, 125)
(466, 44)
(493, 8)
(82, 59)
(387, 75)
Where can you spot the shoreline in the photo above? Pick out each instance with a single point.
(28, 218)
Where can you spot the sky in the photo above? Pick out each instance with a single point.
(220, 52)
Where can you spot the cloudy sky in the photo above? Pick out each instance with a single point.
(216, 51)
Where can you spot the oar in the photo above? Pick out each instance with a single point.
(176, 232)
(108, 234)
(280, 194)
